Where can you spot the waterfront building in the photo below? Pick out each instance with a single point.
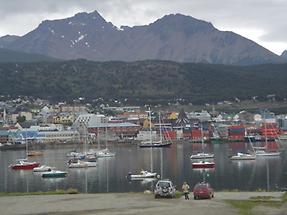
(63, 118)
(282, 122)
(4, 136)
(58, 136)
(121, 130)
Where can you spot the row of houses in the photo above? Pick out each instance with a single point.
(76, 122)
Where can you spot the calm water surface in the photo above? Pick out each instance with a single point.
(173, 163)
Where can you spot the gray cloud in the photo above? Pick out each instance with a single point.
(268, 16)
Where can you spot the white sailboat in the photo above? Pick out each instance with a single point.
(202, 163)
(85, 159)
(152, 143)
(144, 174)
(24, 164)
(77, 164)
(202, 154)
(105, 152)
(244, 156)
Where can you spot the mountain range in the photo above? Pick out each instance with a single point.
(174, 37)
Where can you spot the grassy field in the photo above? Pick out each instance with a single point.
(245, 206)
(53, 192)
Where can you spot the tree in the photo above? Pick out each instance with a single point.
(21, 119)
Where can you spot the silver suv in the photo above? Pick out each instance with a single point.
(164, 188)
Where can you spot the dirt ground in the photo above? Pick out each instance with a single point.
(127, 203)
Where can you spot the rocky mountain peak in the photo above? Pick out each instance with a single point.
(93, 16)
(179, 21)
(284, 54)
(79, 19)
(7, 39)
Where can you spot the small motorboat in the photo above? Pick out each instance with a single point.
(203, 164)
(202, 155)
(35, 153)
(143, 174)
(243, 156)
(146, 144)
(90, 163)
(91, 158)
(105, 153)
(24, 164)
(43, 168)
(54, 174)
(76, 155)
(77, 164)
(266, 153)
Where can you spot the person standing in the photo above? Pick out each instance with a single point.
(185, 190)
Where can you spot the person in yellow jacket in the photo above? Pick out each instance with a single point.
(185, 190)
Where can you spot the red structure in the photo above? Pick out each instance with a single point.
(270, 130)
(169, 135)
(236, 132)
(197, 134)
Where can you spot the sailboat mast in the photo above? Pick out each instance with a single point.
(160, 131)
(86, 136)
(26, 142)
(150, 136)
(265, 130)
(201, 132)
(98, 137)
(202, 142)
(106, 133)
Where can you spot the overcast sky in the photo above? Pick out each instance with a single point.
(264, 21)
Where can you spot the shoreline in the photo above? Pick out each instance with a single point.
(52, 145)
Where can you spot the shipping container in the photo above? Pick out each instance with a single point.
(169, 135)
(196, 133)
(270, 130)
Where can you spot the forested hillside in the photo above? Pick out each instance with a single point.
(142, 81)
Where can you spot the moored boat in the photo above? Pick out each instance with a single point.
(34, 153)
(105, 153)
(266, 153)
(202, 155)
(142, 175)
(77, 164)
(54, 174)
(243, 156)
(23, 164)
(77, 155)
(43, 168)
(91, 163)
(203, 164)
(154, 144)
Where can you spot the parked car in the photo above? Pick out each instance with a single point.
(203, 190)
(164, 188)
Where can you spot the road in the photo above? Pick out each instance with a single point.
(123, 203)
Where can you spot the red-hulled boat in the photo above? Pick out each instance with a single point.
(24, 165)
(203, 164)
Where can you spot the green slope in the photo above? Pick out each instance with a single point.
(15, 56)
(158, 81)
